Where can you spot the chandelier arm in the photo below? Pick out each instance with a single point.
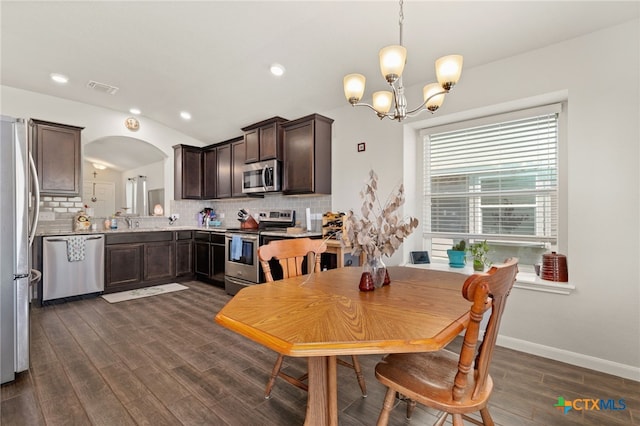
(390, 116)
(444, 92)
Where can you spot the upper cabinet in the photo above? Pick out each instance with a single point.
(237, 163)
(187, 172)
(209, 173)
(58, 155)
(307, 155)
(224, 171)
(263, 140)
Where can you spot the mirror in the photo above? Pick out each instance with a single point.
(122, 174)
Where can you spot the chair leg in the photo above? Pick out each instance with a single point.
(411, 405)
(457, 420)
(274, 375)
(387, 406)
(486, 417)
(359, 376)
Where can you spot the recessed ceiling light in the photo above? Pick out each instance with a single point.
(99, 166)
(277, 70)
(185, 115)
(59, 78)
(135, 111)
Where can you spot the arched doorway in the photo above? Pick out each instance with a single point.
(110, 166)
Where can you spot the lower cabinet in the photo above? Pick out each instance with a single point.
(159, 261)
(209, 257)
(123, 265)
(139, 259)
(184, 254)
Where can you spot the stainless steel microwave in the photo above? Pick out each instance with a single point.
(265, 176)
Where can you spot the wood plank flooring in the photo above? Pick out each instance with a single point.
(162, 360)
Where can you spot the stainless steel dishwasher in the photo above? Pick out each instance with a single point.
(64, 275)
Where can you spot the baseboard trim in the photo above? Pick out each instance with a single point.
(573, 358)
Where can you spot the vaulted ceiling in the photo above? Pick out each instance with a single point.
(212, 58)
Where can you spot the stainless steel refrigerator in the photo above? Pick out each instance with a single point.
(17, 229)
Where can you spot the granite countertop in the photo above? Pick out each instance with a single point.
(125, 230)
(122, 230)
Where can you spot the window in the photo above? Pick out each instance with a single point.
(494, 179)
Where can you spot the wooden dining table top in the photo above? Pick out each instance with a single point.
(325, 314)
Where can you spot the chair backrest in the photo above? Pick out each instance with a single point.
(290, 253)
(487, 291)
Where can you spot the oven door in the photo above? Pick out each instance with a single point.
(241, 257)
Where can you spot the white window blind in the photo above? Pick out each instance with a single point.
(497, 180)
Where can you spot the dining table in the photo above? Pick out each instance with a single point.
(324, 314)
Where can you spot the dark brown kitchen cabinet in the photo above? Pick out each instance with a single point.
(209, 257)
(237, 164)
(184, 253)
(159, 261)
(210, 173)
(123, 267)
(263, 140)
(139, 259)
(223, 170)
(307, 155)
(188, 167)
(57, 151)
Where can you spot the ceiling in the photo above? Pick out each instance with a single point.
(212, 58)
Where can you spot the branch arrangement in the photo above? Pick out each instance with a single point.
(380, 230)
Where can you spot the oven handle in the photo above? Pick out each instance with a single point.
(243, 236)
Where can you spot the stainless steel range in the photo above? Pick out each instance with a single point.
(242, 267)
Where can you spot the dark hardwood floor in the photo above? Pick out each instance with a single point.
(162, 360)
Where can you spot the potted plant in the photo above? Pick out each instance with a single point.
(457, 254)
(479, 253)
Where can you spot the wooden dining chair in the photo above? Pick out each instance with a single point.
(456, 384)
(290, 254)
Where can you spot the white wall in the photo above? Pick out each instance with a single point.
(97, 122)
(598, 325)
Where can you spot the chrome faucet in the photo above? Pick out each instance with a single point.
(129, 222)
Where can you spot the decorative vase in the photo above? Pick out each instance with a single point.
(366, 282)
(478, 265)
(456, 258)
(378, 270)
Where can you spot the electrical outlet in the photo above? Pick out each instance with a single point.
(221, 215)
(176, 215)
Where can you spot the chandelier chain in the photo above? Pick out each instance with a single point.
(401, 20)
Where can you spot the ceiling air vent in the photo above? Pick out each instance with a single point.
(101, 87)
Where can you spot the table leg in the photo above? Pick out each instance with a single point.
(322, 400)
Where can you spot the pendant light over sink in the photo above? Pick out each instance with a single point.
(392, 61)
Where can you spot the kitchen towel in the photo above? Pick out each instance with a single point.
(75, 248)
(236, 247)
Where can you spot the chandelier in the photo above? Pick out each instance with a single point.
(392, 61)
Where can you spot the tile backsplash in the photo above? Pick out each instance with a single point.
(63, 209)
(189, 209)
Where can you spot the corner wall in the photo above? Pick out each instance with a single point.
(598, 325)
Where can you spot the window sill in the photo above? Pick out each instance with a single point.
(524, 280)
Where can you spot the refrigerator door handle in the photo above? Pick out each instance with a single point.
(36, 215)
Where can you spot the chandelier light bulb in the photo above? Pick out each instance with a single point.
(448, 70)
(433, 95)
(354, 87)
(392, 60)
(382, 101)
